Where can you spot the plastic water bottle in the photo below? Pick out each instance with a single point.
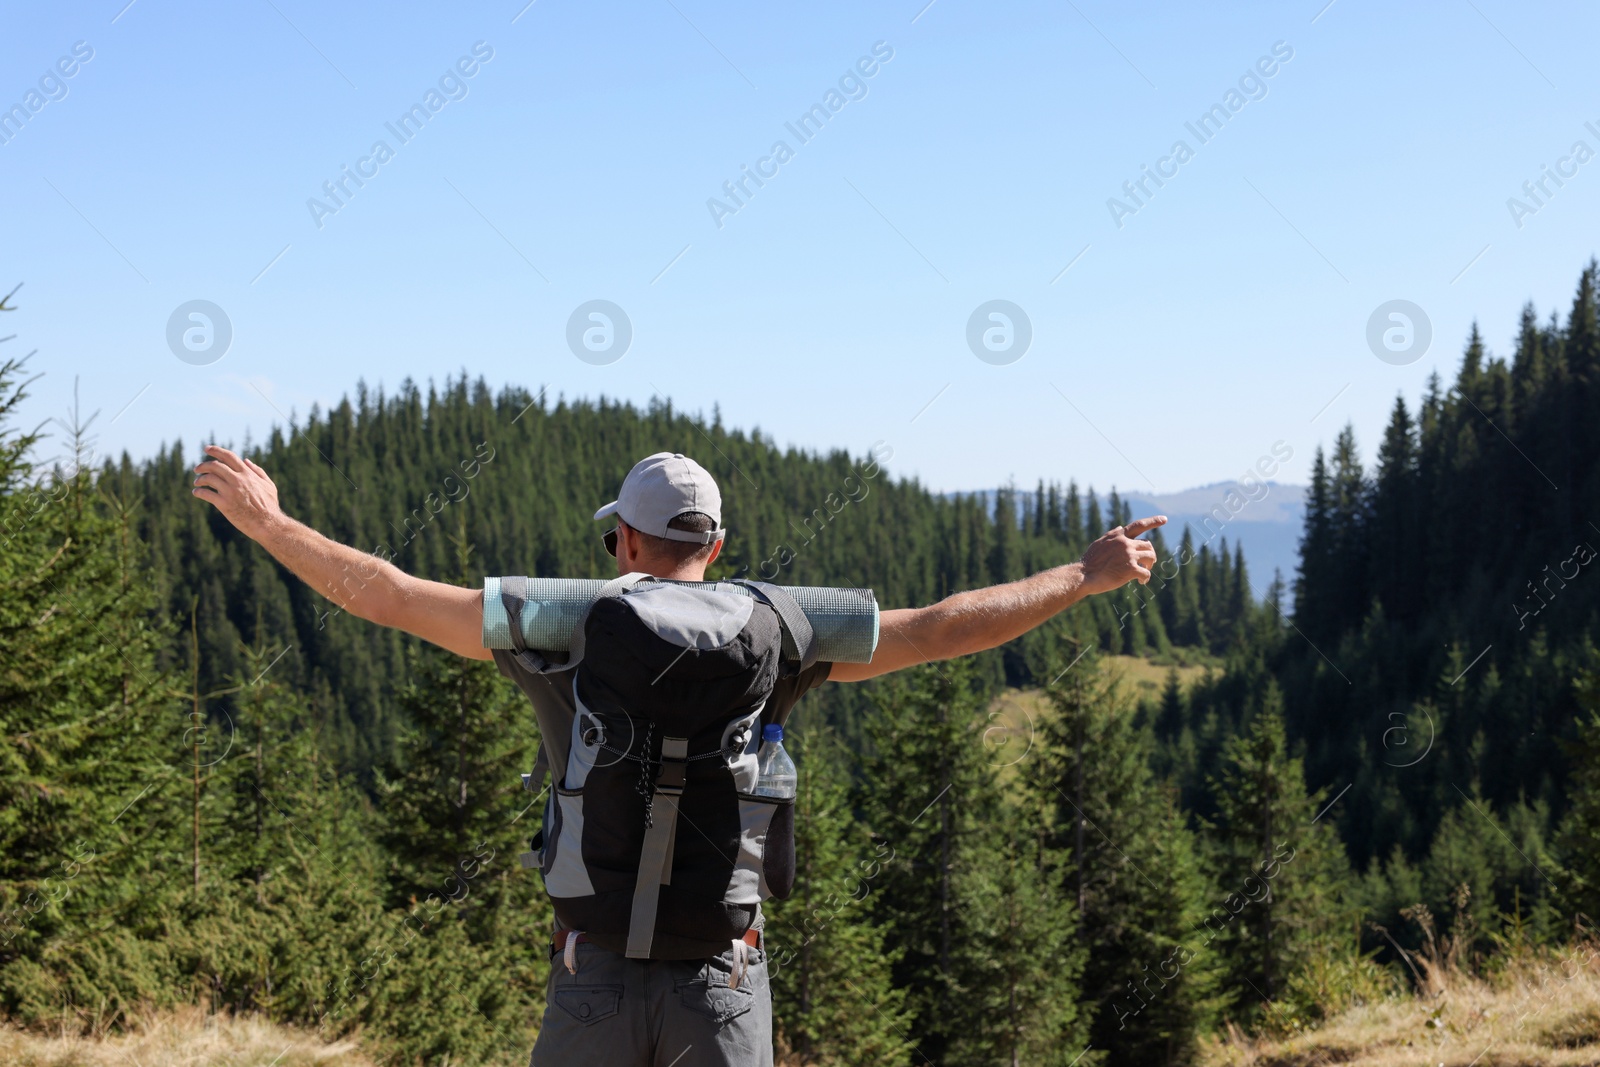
(777, 776)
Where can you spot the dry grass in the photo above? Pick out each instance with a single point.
(1010, 733)
(1016, 714)
(182, 1039)
(1542, 1010)
(1146, 680)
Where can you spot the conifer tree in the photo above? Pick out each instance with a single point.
(451, 797)
(830, 964)
(1313, 586)
(929, 790)
(1580, 828)
(1282, 869)
(453, 804)
(291, 897)
(1072, 517)
(1395, 515)
(1003, 553)
(1027, 985)
(1187, 624)
(88, 737)
(1124, 857)
(1348, 497)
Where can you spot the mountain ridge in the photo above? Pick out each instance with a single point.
(1274, 519)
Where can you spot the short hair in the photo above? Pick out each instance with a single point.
(682, 551)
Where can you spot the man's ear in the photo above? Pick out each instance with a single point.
(631, 537)
(716, 550)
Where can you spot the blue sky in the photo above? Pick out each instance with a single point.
(1228, 313)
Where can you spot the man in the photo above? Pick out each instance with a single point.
(601, 1007)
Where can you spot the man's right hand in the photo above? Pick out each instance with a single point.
(238, 488)
(1118, 557)
(364, 584)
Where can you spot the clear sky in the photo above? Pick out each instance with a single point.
(1175, 339)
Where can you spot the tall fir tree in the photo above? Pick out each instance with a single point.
(453, 804)
(1125, 858)
(1281, 868)
(1580, 828)
(90, 734)
(1316, 576)
(290, 900)
(833, 996)
(962, 904)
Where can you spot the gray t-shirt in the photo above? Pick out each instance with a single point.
(555, 708)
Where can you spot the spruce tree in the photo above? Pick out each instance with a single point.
(453, 802)
(830, 965)
(1027, 984)
(290, 903)
(89, 740)
(953, 898)
(450, 798)
(1314, 586)
(1281, 869)
(1580, 828)
(1123, 856)
(1395, 516)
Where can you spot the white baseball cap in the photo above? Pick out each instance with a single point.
(662, 487)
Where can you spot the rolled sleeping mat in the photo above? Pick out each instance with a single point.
(845, 621)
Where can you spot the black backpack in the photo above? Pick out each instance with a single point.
(654, 842)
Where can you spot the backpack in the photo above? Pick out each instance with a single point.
(654, 842)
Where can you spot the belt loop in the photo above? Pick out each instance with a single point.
(569, 955)
(736, 973)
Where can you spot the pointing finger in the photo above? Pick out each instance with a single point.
(1141, 526)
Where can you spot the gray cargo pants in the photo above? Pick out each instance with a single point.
(618, 1012)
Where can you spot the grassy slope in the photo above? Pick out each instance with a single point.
(1016, 713)
(1542, 1011)
(184, 1039)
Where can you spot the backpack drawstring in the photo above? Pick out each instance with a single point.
(647, 784)
(736, 974)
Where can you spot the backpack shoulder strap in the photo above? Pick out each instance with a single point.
(513, 595)
(615, 587)
(797, 629)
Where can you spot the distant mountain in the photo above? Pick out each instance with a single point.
(1269, 525)
(1265, 517)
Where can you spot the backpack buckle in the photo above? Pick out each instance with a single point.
(673, 771)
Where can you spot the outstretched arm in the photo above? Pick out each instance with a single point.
(364, 585)
(981, 619)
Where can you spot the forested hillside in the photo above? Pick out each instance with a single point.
(1443, 607)
(522, 476)
(220, 790)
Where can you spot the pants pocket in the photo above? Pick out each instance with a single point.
(590, 1004)
(706, 992)
(711, 997)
